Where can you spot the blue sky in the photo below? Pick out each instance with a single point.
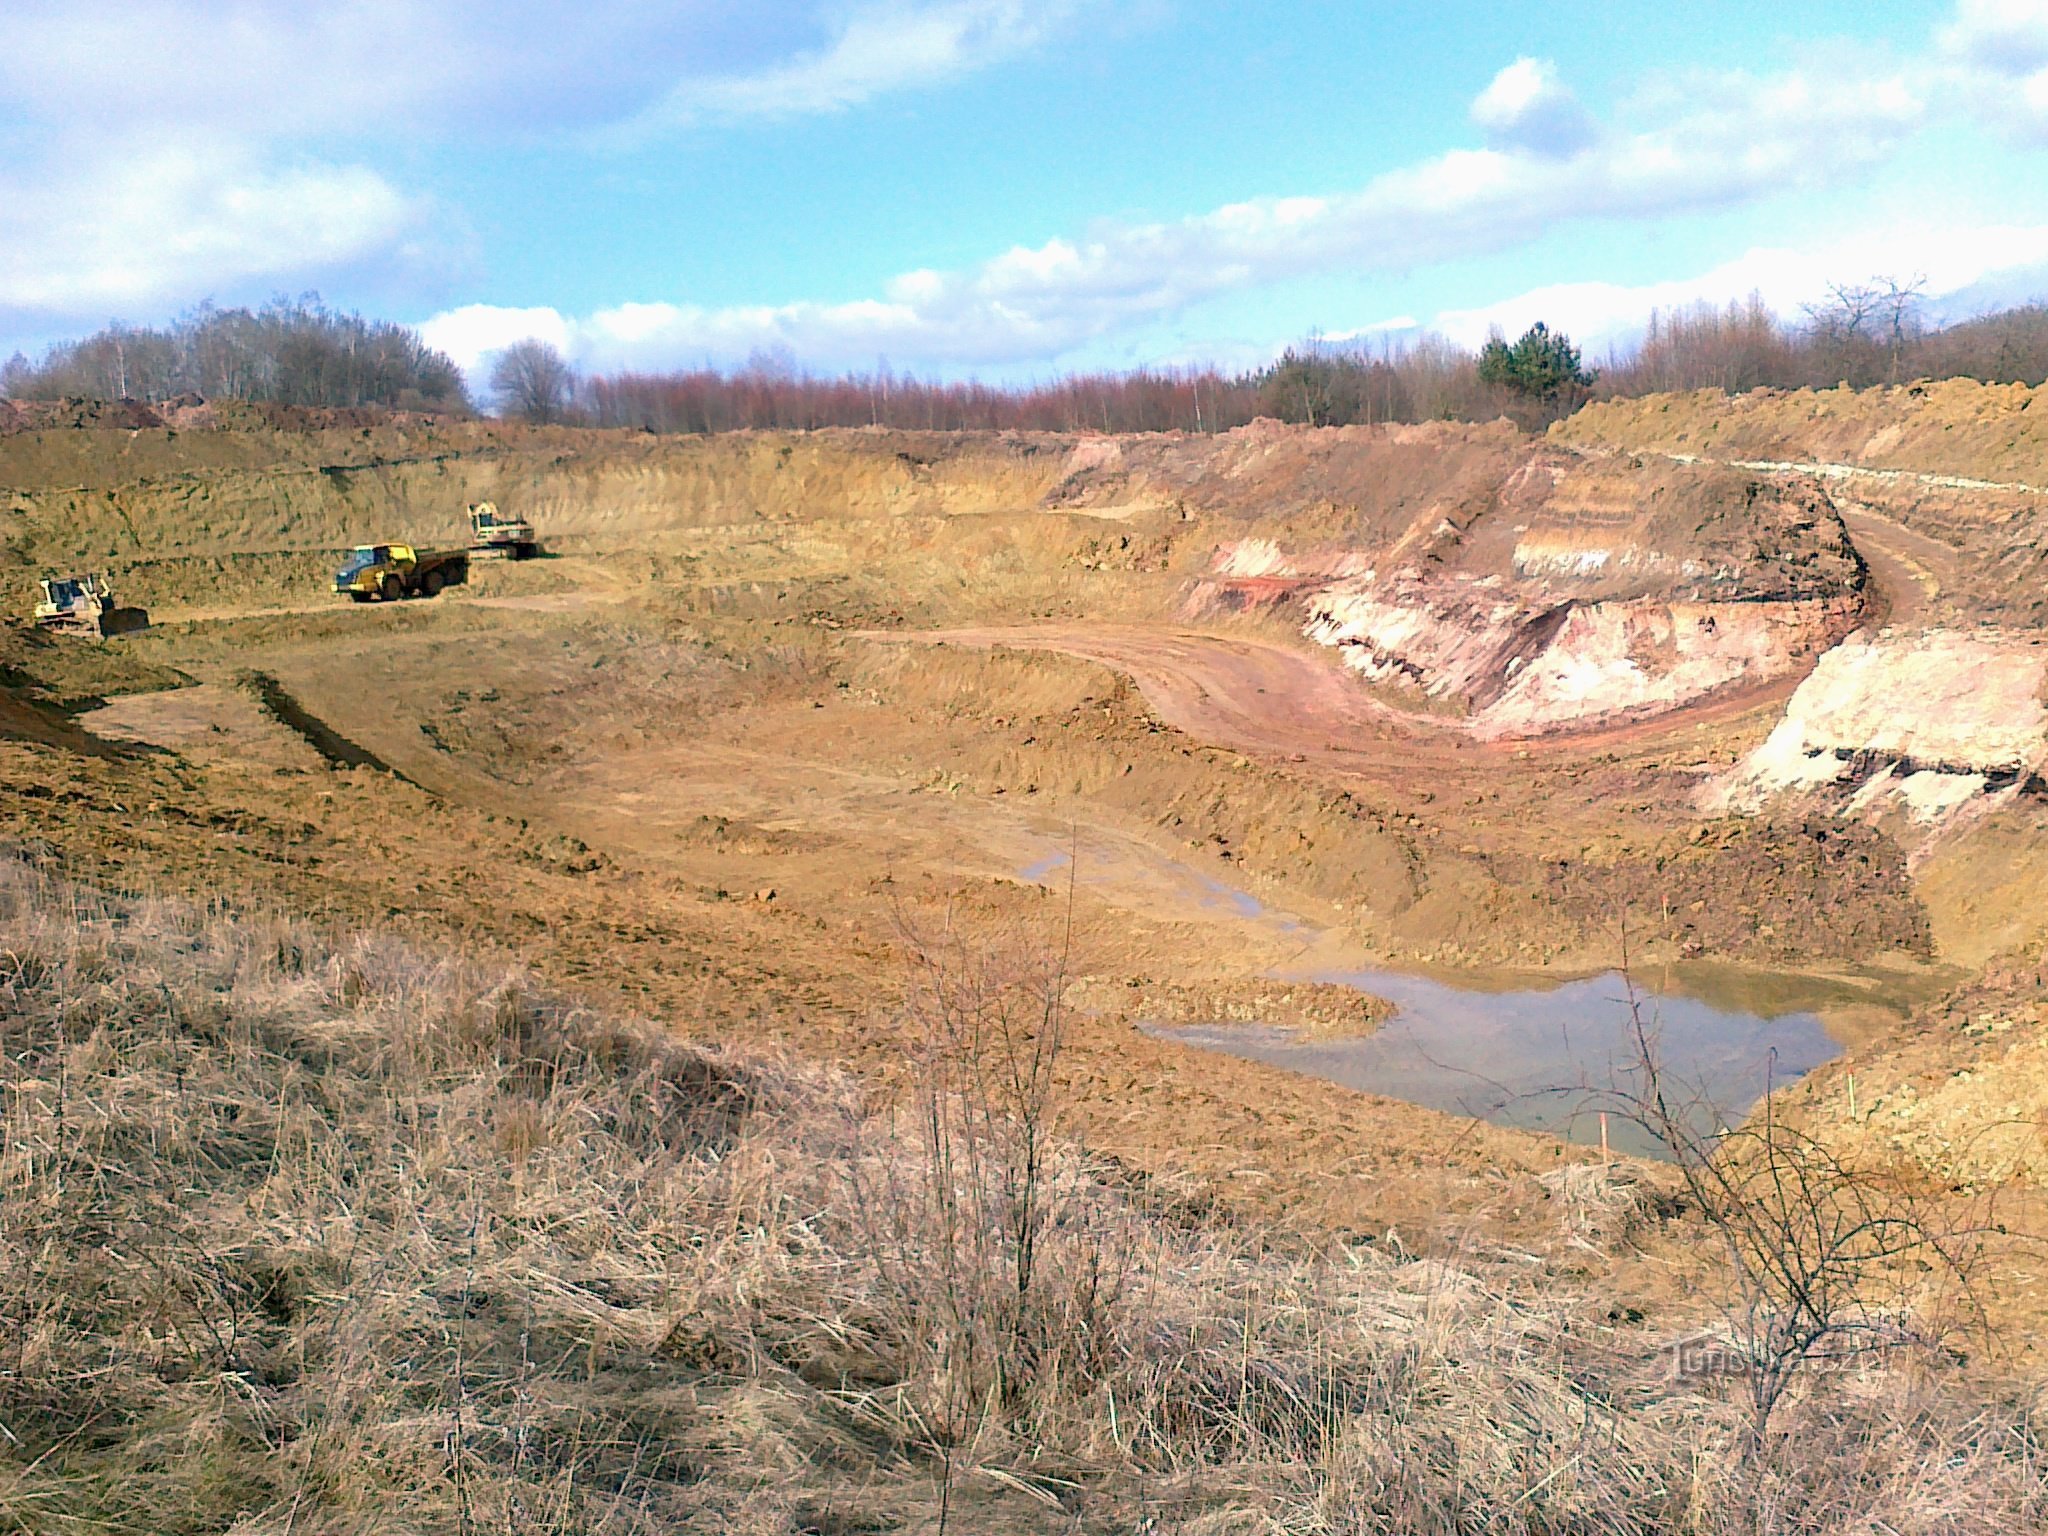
(1005, 187)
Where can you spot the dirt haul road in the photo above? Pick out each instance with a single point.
(1251, 695)
(1261, 697)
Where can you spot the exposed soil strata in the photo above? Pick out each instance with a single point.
(1599, 589)
(1928, 724)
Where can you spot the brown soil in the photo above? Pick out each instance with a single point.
(781, 700)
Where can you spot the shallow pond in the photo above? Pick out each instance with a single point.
(1553, 1057)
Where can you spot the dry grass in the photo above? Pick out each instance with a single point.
(302, 1234)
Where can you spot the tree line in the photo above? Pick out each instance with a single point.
(1859, 335)
(298, 352)
(289, 352)
(1322, 384)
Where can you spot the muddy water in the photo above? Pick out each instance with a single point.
(1552, 1058)
(1537, 1052)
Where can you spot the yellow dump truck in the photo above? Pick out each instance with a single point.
(84, 605)
(392, 571)
(495, 536)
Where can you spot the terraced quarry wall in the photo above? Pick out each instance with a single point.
(166, 509)
(1962, 466)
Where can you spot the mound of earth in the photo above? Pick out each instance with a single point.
(1955, 428)
(1950, 476)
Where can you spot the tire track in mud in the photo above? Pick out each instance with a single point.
(277, 702)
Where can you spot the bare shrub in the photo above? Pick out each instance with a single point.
(1002, 1269)
(1833, 1258)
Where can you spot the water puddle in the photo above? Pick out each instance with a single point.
(1534, 1052)
(1552, 1058)
(1038, 869)
(1133, 868)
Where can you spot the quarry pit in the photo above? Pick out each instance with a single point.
(1754, 685)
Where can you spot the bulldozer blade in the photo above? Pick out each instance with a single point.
(124, 621)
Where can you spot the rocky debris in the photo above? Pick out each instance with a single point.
(77, 413)
(1769, 891)
(1926, 723)
(1615, 526)
(190, 412)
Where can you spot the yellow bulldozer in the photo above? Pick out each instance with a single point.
(393, 571)
(495, 536)
(84, 605)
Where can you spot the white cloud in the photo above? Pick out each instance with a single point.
(876, 49)
(1394, 326)
(1998, 53)
(225, 66)
(171, 152)
(1951, 260)
(472, 333)
(1526, 107)
(1721, 140)
(2006, 37)
(364, 68)
(162, 223)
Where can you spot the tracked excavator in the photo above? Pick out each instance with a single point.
(495, 536)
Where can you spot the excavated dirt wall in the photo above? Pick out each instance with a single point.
(1924, 723)
(1961, 465)
(1588, 588)
(94, 496)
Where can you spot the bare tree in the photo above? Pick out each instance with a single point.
(1845, 313)
(532, 380)
(1899, 306)
(1861, 333)
(293, 351)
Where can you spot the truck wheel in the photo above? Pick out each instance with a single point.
(392, 588)
(430, 584)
